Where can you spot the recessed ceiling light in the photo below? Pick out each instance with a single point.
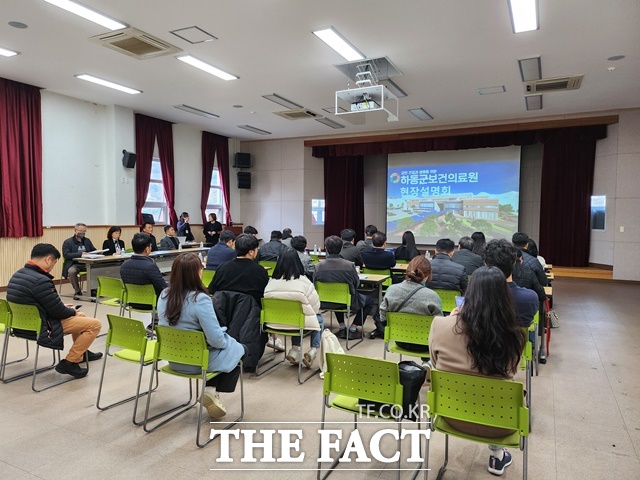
(193, 35)
(421, 113)
(88, 13)
(329, 123)
(615, 57)
(8, 53)
(107, 83)
(18, 25)
(530, 69)
(331, 37)
(533, 102)
(237, 106)
(254, 129)
(194, 62)
(492, 90)
(274, 97)
(196, 111)
(524, 15)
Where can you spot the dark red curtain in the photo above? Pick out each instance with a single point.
(565, 206)
(20, 160)
(343, 194)
(215, 147)
(147, 130)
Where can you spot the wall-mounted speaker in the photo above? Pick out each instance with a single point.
(128, 159)
(244, 180)
(242, 160)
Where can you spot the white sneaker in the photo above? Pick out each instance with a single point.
(294, 355)
(276, 344)
(309, 357)
(212, 403)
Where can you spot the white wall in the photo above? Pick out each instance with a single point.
(187, 155)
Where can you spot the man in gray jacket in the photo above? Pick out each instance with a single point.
(465, 257)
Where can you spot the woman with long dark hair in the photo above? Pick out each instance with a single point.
(289, 282)
(183, 227)
(479, 241)
(408, 250)
(186, 305)
(113, 244)
(481, 338)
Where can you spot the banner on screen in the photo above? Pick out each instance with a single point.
(450, 194)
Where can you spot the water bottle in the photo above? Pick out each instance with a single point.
(180, 247)
(315, 249)
(201, 246)
(200, 257)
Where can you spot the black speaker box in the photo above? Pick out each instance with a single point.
(129, 160)
(242, 160)
(244, 180)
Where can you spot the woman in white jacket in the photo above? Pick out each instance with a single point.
(289, 282)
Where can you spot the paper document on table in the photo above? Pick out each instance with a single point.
(93, 255)
(362, 277)
(99, 251)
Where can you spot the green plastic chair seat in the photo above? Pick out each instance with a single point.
(196, 376)
(511, 441)
(134, 355)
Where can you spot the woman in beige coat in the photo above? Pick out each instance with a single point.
(289, 282)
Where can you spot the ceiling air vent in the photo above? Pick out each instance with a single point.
(298, 114)
(555, 84)
(135, 43)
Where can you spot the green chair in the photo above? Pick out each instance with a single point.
(339, 295)
(136, 296)
(448, 298)
(283, 314)
(81, 277)
(526, 364)
(207, 277)
(480, 400)
(128, 250)
(113, 290)
(25, 322)
(268, 263)
(536, 347)
(402, 262)
(130, 336)
(315, 258)
(5, 324)
(351, 380)
(188, 347)
(409, 328)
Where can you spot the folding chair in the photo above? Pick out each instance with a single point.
(187, 347)
(409, 328)
(112, 289)
(352, 379)
(448, 298)
(130, 336)
(207, 277)
(25, 322)
(5, 323)
(284, 313)
(526, 364)
(337, 294)
(480, 400)
(138, 295)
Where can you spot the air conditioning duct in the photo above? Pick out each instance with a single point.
(555, 84)
(135, 43)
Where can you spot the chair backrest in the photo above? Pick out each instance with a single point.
(25, 317)
(110, 287)
(402, 262)
(527, 353)
(331, 292)
(268, 263)
(408, 327)
(281, 312)
(362, 377)
(314, 258)
(448, 298)
(534, 323)
(128, 250)
(140, 294)
(188, 347)
(5, 315)
(207, 276)
(481, 400)
(127, 333)
(372, 271)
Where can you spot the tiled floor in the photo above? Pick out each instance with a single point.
(586, 413)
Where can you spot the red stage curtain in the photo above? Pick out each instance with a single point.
(215, 147)
(344, 195)
(20, 160)
(147, 130)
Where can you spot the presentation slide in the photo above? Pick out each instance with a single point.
(450, 194)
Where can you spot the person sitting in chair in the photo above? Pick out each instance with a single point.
(169, 242)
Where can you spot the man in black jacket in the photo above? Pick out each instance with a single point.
(349, 250)
(446, 274)
(376, 257)
(72, 248)
(147, 227)
(272, 250)
(33, 285)
(465, 257)
(521, 241)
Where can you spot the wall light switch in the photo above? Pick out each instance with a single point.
(621, 229)
(124, 180)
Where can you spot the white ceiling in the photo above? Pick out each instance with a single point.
(445, 50)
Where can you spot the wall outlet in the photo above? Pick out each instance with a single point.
(124, 180)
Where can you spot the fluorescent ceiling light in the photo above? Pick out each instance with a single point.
(107, 83)
(274, 97)
(530, 69)
(88, 13)
(254, 129)
(7, 53)
(491, 90)
(533, 102)
(421, 113)
(330, 123)
(194, 62)
(196, 111)
(524, 15)
(331, 37)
